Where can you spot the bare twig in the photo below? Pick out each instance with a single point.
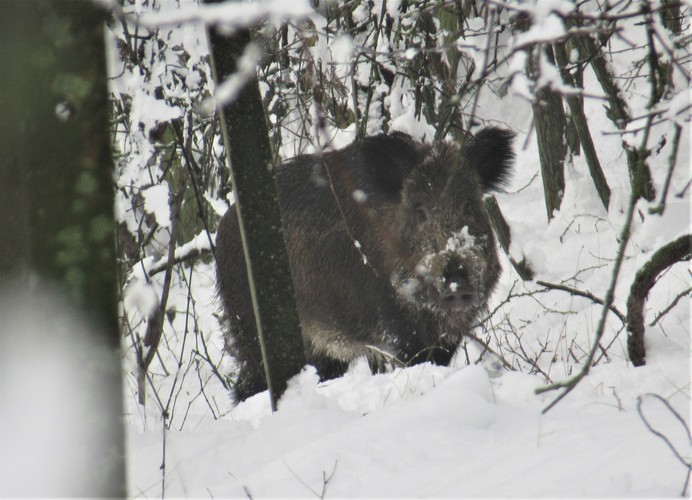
(189, 256)
(672, 159)
(487, 348)
(684, 293)
(686, 462)
(193, 168)
(580, 293)
(325, 480)
(155, 325)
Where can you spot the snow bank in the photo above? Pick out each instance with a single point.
(430, 431)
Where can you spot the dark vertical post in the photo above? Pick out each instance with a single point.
(247, 143)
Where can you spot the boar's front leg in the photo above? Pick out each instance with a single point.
(423, 339)
(440, 353)
(328, 368)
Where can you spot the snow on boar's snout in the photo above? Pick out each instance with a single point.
(452, 280)
(391, 252)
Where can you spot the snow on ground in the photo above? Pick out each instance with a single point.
(430, 431)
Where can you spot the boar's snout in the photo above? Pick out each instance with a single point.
(450, 285)
(456, 293)
(452, 278)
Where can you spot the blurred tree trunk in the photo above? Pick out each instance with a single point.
(56, 205)
(671, 16)
(246, 138)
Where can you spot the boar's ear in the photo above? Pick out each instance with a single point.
(490, 153)
(387, 161)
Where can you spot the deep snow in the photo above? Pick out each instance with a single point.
(429, 431)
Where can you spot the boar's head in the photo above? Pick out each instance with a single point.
(448, 262)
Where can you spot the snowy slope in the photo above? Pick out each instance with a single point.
(428, 431)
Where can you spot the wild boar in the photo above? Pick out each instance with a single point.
(392, 255)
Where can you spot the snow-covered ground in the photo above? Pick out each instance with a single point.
(430, 432)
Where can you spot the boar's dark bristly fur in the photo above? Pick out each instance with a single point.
(392, 255)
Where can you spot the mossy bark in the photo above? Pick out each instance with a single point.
(675, 251)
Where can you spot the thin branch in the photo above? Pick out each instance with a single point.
(487, 348)
(179, 258)
(193, 167)
(672, 160)
(678, 417)
(484, 68)
(580, 293)
(679, 296)
(155, 325)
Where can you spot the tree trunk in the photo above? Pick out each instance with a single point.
(619, 114)
(502, 231)
(645, 279)
(247, 143)
(580, 123)
(549, 120)
(57, 238)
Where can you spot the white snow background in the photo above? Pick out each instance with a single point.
(468, 430)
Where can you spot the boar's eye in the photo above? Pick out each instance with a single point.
(420, 214)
